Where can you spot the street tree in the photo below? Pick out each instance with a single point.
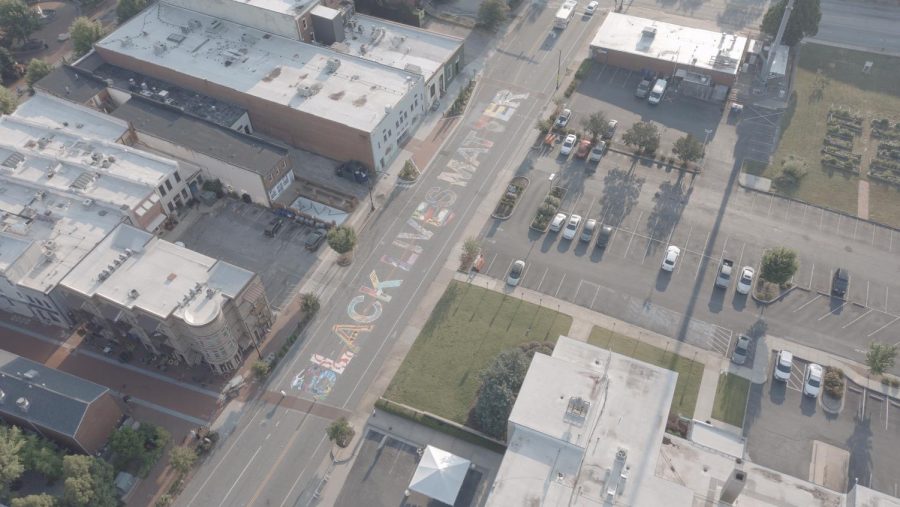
(644, 136)
(260, 369)
(804, 20)
(471, 248)
(11, 467)
(342, 239)
(880, 357)
(37, 69)
(127, 444)
(88, 482)
(595, 125)
(41, 500)
(182, 458)
(9, 70)
(126, 9)
(8, 101)
(500, 384)
(340, 432)
(492, 12)
(779, 265)
(688, 149)
(17, 21)
(42, 456)
(309, 303)
(85, 33)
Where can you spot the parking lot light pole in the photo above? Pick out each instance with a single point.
(558, 65)
(705, 142)
(371, 201)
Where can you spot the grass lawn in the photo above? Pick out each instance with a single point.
(731, 399)
(689, 372)
(873, 95)
(468, 328)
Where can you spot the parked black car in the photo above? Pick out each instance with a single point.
(353, 170)
(274, 226)
(841, 282)
(314, 240)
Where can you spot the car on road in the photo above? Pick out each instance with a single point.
(840, 282)
(741, 350)
(274, 226)
(588, 232)
(584, 147)
(597, 152)
(515, 273)
(745, 282)
(672, 253)
(563, 119)
(557, 222)
(784, 362)
(658, 91)
(812, 380)
(591, 8)
(610, 129)
(568, 144)
(604, 235)
(314, 240)
(572, 226)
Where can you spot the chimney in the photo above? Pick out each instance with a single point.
(23, 404)
(733, 486)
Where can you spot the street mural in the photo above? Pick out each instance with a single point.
(436, 211)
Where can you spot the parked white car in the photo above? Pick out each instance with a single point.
(591, 8)
(568, 144)
(745, 282)
(812, 380)
(515, 273)
(572, 227)
(672, 253)
(784, 362)
(557, 222)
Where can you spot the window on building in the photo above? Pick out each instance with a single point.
(171, 207)
(304, 23)
(431, 91)
(177, 177)
(168, 184)
(162, 190)
(184, 193)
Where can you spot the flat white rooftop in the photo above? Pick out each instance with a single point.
(60, 113)
(135, 269)
(703, 49)
(395, 45)
(44, 235)
(287, 7)
(344, 89)
(60, 159)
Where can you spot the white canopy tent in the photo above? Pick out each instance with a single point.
(439, 475)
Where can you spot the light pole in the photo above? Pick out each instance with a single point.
(371, 201)
(705, 141)
(558, 65)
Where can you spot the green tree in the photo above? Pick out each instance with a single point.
(340, 432)
(182, 459)
(89, 482)
(8, 68)
(688, 149)
(500, 384)
(492, 12)
(309, 303)
(779, 265)
(42, 456)
(127, 444)
(804, 20)
(126, 9)
(42, 500)
(260, 369)
(155, 438)
(595, 125)
(11, 467)
(8, 100)
(880, 358)
(342, 239)
(644, 136)
(37, 69)
(17, 21)
(84, 34)
(792, 172)
(471, 248)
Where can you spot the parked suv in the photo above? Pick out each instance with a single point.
(274, 226)
(840, 282)
(353, 170)
(784, 362)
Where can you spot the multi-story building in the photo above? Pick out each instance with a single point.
(172, 299)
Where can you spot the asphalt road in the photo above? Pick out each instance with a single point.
(860, 25)
(652, 209)
(273, 453)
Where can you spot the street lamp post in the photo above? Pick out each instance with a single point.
(558, 65)
(371, 201)
(705, 142)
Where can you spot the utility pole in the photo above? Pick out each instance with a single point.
(558, 65)
(767, 68)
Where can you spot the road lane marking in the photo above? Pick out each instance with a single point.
(302, 471)
(845, 326)
(561, 282)
(804, 305)
(883, 327)
(833, 311)
(243, 470)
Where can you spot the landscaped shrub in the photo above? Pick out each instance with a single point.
(834, 381)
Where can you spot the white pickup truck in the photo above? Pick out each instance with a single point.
(725, 270)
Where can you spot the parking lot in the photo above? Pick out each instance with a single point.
(233, 232)
(651, 208)
(781, 425)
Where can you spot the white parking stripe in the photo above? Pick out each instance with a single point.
(856, 319)
(811, 273)
(542, 279)
(867, 294)
(804, 305)
(491, 263)
(833, 311)
(883, 327)
(632, 235)
(595, 297)
(561, 282)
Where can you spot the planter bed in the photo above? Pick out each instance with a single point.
(510, 198)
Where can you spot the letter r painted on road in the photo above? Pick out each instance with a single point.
(377, 288)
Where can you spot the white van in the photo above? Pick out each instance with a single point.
(659, 89)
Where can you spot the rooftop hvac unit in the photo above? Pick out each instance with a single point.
(332, 64)
(133, 293)
(103, 275)
(30, 374)
(2, 396)
(649, 32)
(305, 90)
(23, 404)
(159, 48)
(87, 203)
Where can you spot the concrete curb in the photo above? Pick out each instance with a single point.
(518, 199)
(829, 409)
(777, 298)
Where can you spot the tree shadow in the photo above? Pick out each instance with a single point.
(620, 194)
(860, 445)
(668, 205)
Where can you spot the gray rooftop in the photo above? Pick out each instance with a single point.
(221, 143)
(71, 83)
(56, 400)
